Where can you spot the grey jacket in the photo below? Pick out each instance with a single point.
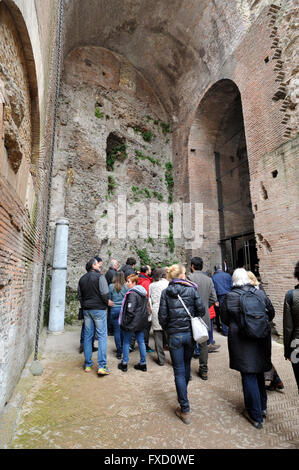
(206, 291)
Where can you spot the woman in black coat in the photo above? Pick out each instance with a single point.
(250, 356)
(174, 319)
(291, 326)
(133, 319)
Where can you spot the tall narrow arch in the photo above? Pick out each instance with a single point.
(31, 74)
(219, 178)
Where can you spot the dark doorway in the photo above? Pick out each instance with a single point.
(237, 238)
(240, 252)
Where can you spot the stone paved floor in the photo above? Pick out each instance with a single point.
(67, 408)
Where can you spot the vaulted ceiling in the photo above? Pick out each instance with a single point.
(176, 44)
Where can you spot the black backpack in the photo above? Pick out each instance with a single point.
(254, 321)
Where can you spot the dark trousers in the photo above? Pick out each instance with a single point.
(211, 337)
(146, 333)
(223, 326)
(296, 372)
(159, 346)
(117, 331)
(110, 322)
(255, 395)
(217, 318)
(203, 356)
(272, 376)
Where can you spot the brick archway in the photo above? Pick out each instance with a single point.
(219, 177)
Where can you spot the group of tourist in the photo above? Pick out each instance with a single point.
(162, 300)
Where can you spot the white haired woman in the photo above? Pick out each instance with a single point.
(251, 356)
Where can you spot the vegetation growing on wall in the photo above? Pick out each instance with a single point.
(140, 156)
(146, 133)
(71, 305)
(145, 192)
(118, 153)
(111, 185)
(165, 126)
(169, 180)
(170, 241)
(98, 113)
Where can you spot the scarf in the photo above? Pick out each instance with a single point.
(184, 282)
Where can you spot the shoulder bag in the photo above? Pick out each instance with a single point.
(199, 328)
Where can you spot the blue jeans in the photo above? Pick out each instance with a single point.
(255, 395)
(82, 335)
(126, 346)
(211, 338)
(95, 320)
(181, 348)
(117, 332)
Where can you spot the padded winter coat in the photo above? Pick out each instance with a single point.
(135, 313)
(173, 318)
(290, 320)
(248, 355)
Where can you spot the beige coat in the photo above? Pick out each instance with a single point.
(155, 291)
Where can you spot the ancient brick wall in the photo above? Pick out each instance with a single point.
(266, 131)
(23, 191)
(258, 66)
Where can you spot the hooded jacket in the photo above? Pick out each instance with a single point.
(134, 314)
(173, 317)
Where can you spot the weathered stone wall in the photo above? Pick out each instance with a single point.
(106, 107)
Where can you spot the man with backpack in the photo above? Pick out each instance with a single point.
(248, 311)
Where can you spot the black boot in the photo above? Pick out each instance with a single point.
(123, 367)
(140, 367)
